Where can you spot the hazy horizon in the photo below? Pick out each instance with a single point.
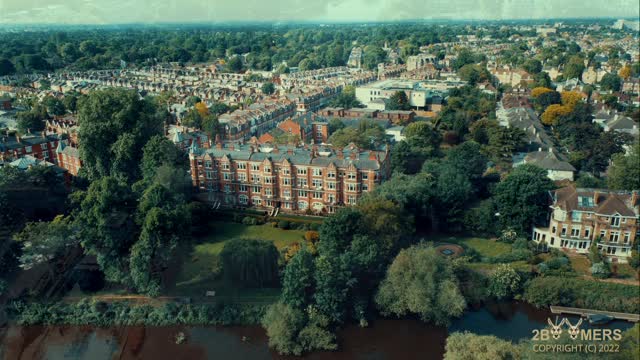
(95, 12)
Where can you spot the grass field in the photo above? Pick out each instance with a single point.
(201, 266)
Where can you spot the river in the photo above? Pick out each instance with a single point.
(384, 339)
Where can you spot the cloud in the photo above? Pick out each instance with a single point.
(123, 11)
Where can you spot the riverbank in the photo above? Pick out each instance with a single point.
(405, 339)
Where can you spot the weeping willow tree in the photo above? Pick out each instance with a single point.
(250, 263)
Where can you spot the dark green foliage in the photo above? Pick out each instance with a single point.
(588, 294)
(398, 101)
(268, 88)
(32, 120)
(298, 280)
(114, 127)
(251, 263)
(611, 82)
(522, 198)
(103, 314)
(346, 99)
(532, 66)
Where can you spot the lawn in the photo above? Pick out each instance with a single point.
(581, 264)
(486, 247)
(201, 267)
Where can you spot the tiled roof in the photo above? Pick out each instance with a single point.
(605, 202)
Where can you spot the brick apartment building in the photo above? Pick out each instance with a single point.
(311, 179)
(40, 146)
(68, 157)
(581, 216)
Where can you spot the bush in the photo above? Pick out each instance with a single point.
(521, 243)
(284, 224)
(600, 270)
(504, 282)
(248, 220)
(104, 314)
(588, 294)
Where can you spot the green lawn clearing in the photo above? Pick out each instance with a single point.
(201, 267)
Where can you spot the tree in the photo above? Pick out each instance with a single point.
(235, 64)
(105, 226)
(504, 282)
(6, 67)
(32, 120)
(268, 88)
(574, 69)
(44, 241)
(251, 263)
(474, 74)
(114, 126)
(422, 282)
(160, 151)
(536, 92)
(347, 99)
(193, 100)
(54, 106)
(522, 198)
(398, 101)
(625, 72)
(466, 346)
(70, 102)
(298, 281)
(333, 283)
(160, 235)
(532, 66)
(553, 112)
(624, 172)
(611, 82)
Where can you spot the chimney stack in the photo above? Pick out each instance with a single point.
(339, 154)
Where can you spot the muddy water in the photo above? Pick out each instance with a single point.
(384, 339)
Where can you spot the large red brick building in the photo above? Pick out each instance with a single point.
(308, 179)
(40, 146)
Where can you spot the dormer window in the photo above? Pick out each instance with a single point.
(615, 220)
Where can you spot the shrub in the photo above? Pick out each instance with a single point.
(248, 220)
(311, 236)
(504, 282)
(284, 224)
(600, 270)
(514, 255)
(589, 294)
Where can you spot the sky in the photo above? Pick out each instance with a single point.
(182, 11)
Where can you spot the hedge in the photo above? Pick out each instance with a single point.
(573, 292)
(97, 313)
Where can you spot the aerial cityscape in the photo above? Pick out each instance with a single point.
(322, 180)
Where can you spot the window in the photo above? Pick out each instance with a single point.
(267, 192)
(286, 181)
(624, 220)
(227, 176)
(244, 199)
(588, 215)
(331, 198)
(302, 193)
(225, 166)
(268, 179)
(585, 201)
(331, 175)
(286, 193)
(255, 189)
(615, 221)
(43, 146)
(576, 216)
(27, 149)
(317, 183)
(575, 232)
(365, 176)
(302, 171)
(303, 205)
(553, 229)
(207, 164)
(365, 187)
(613, 236)
(351, 187)
(302, 182)
(317, 195)
(627, 237)
(267, 170)
(255, 167)
(331, 185)
(351, 200)
(352, 176)
(317, 172)
(242, 188)
(242, 177)
(603, 233)
(564, 230)
(587, 233)
(286, 171)
(255, 178)
(256, 200)
(210, 175)
(242, 166)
